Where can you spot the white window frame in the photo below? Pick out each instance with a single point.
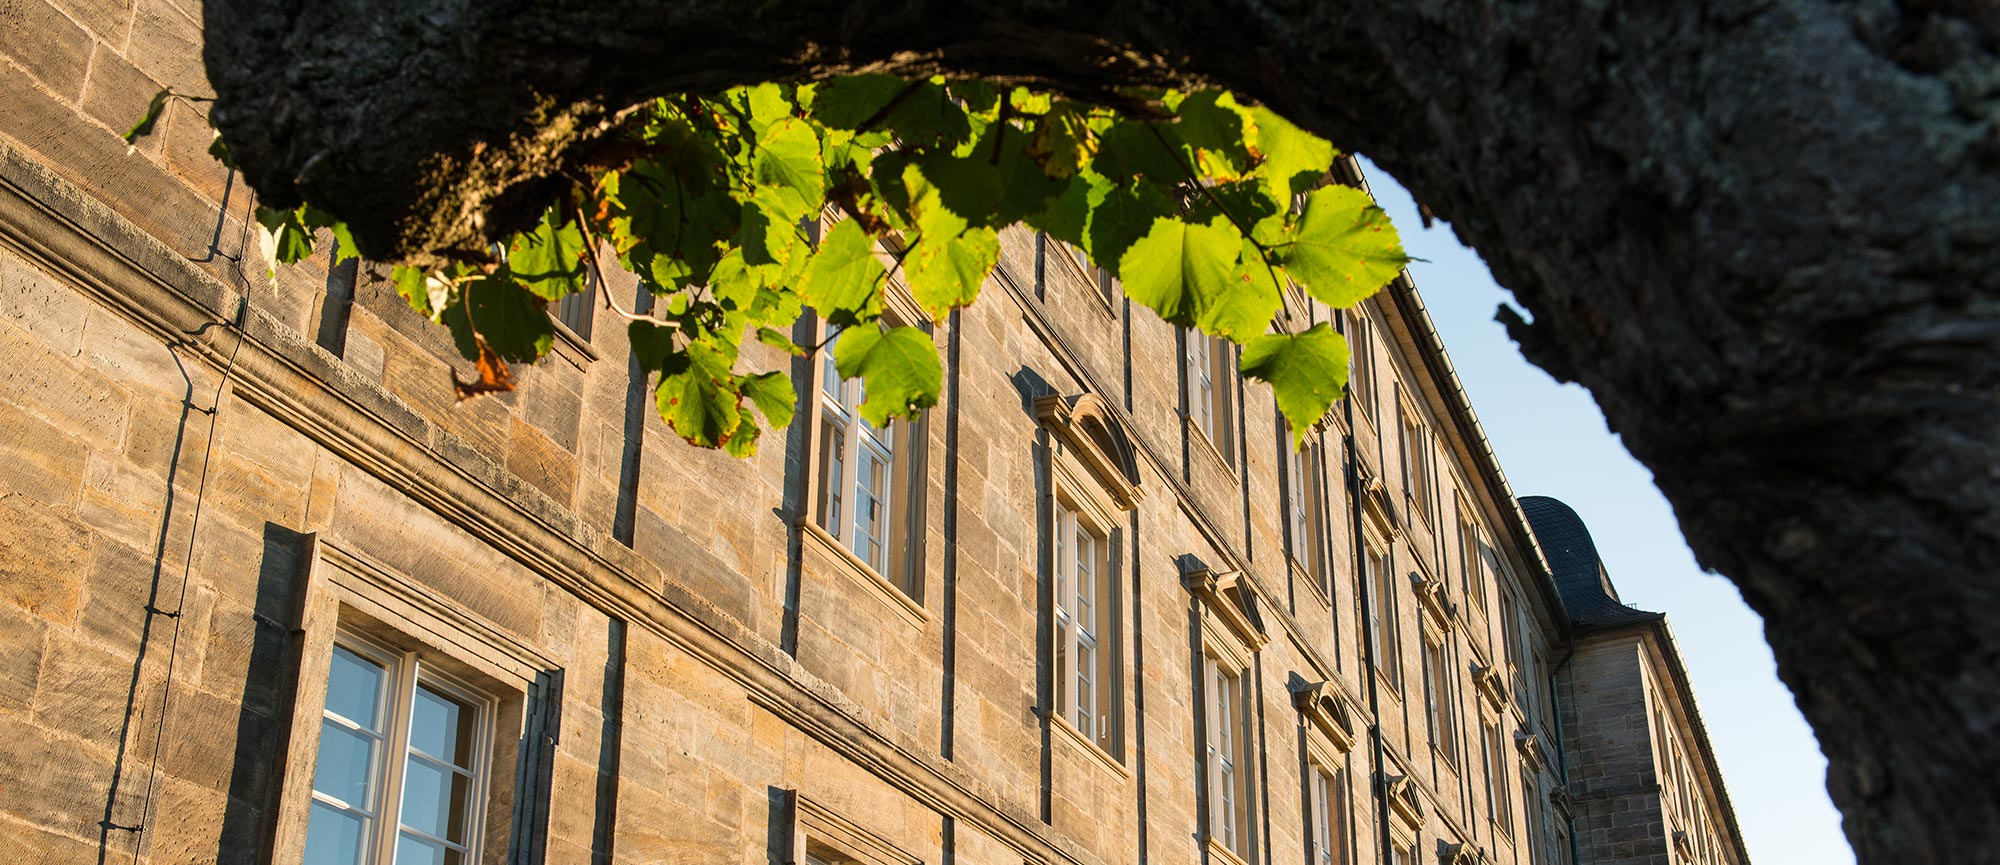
(1093, 715)
(403, 673)
(1209, 377)
(1230, 723)
(1360, 335)
(1382, 631)
(1302, 511)
(1326, 809)
(1438, 702)
(841, 503)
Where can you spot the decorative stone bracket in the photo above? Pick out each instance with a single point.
(1459, 854)
(1401, 792)
(1232, 599)
(1559, 799)
(1430, 596)
(1328, 710)
(1491, 684)
(1530, 746)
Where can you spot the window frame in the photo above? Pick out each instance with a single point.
(897, 572)
(404, 672)
(344, 594)
(1440, 720)
(1305, 499)
(1227, 704)
(1107, 734)
(1360, 334)
(1207, 358)
(1381, 628)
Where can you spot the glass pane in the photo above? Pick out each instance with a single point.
(411, 850)
(334, 836)
(442, 727)
(354, 688)
(434, 799)
(833, 454)
(346, 764)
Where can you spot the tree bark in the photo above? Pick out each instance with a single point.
(1765, 235)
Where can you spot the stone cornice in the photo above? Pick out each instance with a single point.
(1326, 708)
(1231, 599)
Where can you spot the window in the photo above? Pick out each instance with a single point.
(1381, 612)
(575, 311)
(1100, 278)
(866, 478)
(1532, 818)
(1437, 700)
(1085, 619)
(1209, 373)
(1302, 470)
(1418, 483)
(1499, 804)
(402, 762)
(1470, 554)
(1510, 639)
(1361, 372)
(1228, 771)
(1399, 853)
(1326, 809)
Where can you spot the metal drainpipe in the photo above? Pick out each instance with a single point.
(1562, 758)
(1377, 775)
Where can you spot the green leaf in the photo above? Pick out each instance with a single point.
(506, 315)
(1215, 133)
(148, 120)
(1250, 298)
(843, 279)
(1120, 214)
(1180, 270)
(694, 398)
(414, 285)
(777, 339)
(945, 274)
(1343, 248)
(1294, 159)
(898, 367)
(774, 396)
(788, 167)
(1307, 373)
(848, 102)
(550, 259)
(291, 242)
(768, 105)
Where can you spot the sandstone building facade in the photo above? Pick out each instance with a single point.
(271, 593)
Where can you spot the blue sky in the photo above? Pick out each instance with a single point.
(1552, 441)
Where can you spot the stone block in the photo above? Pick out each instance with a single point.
(44, 555)
(21, 641)
(41, 461)
(541, 461)
(81, 401)
(60, 784)
(116, 93)
(122, 503)
(47, 44)
(89, 693)
(166, 47)
(40, 304)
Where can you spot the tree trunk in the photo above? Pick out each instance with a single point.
(1765, 235)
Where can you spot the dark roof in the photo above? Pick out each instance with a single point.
(1573, 561)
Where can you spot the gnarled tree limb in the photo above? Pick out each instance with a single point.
(1765, 235)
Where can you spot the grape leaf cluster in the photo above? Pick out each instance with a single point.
(1207, 211)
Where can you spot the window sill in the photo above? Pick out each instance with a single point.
(1312, 584)
(571, 347)
(1220, 855)
(1200, 442)
(1065, 731)
(857, 571)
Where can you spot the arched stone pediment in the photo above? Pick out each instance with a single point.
(1088, 429)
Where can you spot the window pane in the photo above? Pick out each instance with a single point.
(334, 836)
(442, 727)
(833, 489)
(435, 799)
(345, 765)
(422, 851)
(354, 688)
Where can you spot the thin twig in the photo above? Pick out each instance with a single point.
(1263, 252)
(893, 103)
(597, 270)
